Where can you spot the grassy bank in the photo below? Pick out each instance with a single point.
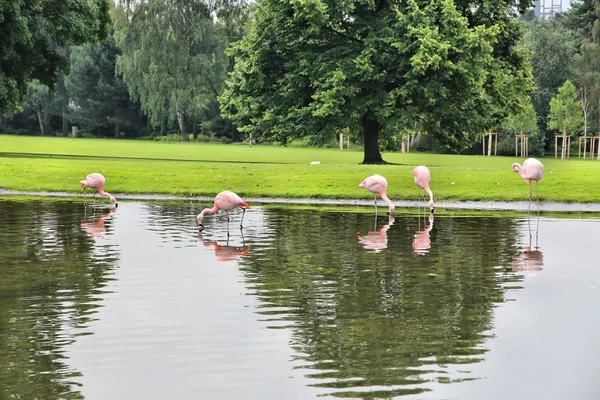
(58, 164)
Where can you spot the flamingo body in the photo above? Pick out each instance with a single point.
(225, 201)
(97, 181)
(531, 170)
(422, 177)
(377, 184)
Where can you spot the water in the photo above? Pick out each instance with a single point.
(134, 303)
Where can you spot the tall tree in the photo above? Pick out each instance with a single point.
(101, 99)
(39, 99)
(173, 57)
(566, 115)
(553, 48)
(309, 68)
(34, 32)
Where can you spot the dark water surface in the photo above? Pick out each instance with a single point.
(134, 303)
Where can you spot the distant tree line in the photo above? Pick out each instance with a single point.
(433, 74)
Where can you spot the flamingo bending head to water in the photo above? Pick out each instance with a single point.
(96, 181)
(225, 201)
(422, 177)
(531, 170)
(377, 184)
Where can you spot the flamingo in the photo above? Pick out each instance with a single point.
(422, 177)
(532, 170)
(377, 184)
(225, 201)
(96, 181)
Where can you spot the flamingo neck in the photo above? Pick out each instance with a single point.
(388, 201)
(106, 194)
(430, 197)
(207, 211)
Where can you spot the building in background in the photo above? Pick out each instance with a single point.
(543, 9)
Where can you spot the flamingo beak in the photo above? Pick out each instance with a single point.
(432, 210)
(82, 185)
(200, 227)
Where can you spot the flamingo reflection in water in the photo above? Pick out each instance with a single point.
(422, 239)
(94, 225)
(529, 261)
(376, 239)
(225, 253)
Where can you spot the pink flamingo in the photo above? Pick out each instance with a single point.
(376, 240)
(96, 181)
(422, 177)
(532, 170)
(225, 201)
(377, 184)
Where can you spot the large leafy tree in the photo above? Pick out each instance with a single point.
(173, 57)
(100, 99)
(312, 67)
(39, 100)
(33, 34)
(566, 115)
(553, 49)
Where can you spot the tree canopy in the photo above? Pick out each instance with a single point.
(100, 101)
(566, 115)
(173, 56)
(33, 33)
(312, 67)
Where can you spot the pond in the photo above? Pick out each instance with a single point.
(133, 302)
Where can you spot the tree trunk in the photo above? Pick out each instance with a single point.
(117, 130)
(185, 137)
(65, 122)
(41, 121)
(371, 128)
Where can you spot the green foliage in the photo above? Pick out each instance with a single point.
(172, 57)
(100, 100)
(566, 115)
(313, 67)
(553, 47)
(39, 99)
(33, 35)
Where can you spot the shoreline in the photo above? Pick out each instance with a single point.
(457, 205)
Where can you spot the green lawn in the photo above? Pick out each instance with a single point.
(46, 164)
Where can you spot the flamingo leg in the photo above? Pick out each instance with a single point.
(84, 197)
(375, 198)
(537, 198)
(227, 225)
(242, 220)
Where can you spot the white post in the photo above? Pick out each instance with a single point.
(341, 141)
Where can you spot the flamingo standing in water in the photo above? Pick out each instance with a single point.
(225, 201)
(96, 181)
(377, 184)
(531, 170)
(422, 177)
